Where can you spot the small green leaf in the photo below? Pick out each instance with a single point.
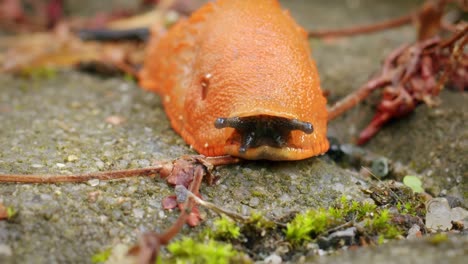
(11, 212)
(102, 256)
(414, 183)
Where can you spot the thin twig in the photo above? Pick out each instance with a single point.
(215, 208)
(162, 167)
(187, 208)
(234, 216)
(150, 243)
(364, 29)
(356, 97)
(454, 38)
(378, 179)
(105, 175)
(336, 228)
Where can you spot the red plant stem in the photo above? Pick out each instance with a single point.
(364, 29)
(356, 97)
(377, 122)
(152, 242)
(454, 38)
(391, 58)
(188, 206)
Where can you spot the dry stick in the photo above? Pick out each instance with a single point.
(388, 24)
(386, 75)
(221, 211)
(356, 97)
(219, 161)
(454, 38)
(365, 29)
(380, 180)
(187, 208)
(455, 56)
(416, 56)
(105, 175)
(163, 168)
(384, 78)
(154, 241)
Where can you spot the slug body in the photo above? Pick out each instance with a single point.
(236, 78)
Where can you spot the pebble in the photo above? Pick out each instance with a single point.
(459, 214)
(103, 219)
(346, 236)
(339, 187)
(72, 158)
(119, 254)
(380, 167)
(144, 163)
(161, 214)
(138, 213)
(154, 203)
(181, 193)
(438, 215)
(100, 164)
(254, 202)
(5, 250)
(285, 198)
(273, 259)
(45, 197)
(454, 201)
(93, 182)
(116, 214)
(244, 210)
(414, 232)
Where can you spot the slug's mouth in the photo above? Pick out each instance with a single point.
(262, 136)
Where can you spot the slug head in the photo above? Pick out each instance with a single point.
(262, 136)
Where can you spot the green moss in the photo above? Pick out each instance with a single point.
(309, 225)
(225, 228)
(352, 209)
(381, 220)
(406, 208)
(258, 194)
(438, 238)
(210, 252)
(381, 224)
(256, 227)
(380, 239)
(355, 209)
(366, 208)
(260, 222)
(129, 78)
(102, 256)
(39, 73)
(304, 226)
(11, 212)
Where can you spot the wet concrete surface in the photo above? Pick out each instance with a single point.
(58, 126)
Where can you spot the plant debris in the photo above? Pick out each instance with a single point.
(6, 212)
(414, 73)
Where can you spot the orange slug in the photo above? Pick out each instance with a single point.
(236, 78)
